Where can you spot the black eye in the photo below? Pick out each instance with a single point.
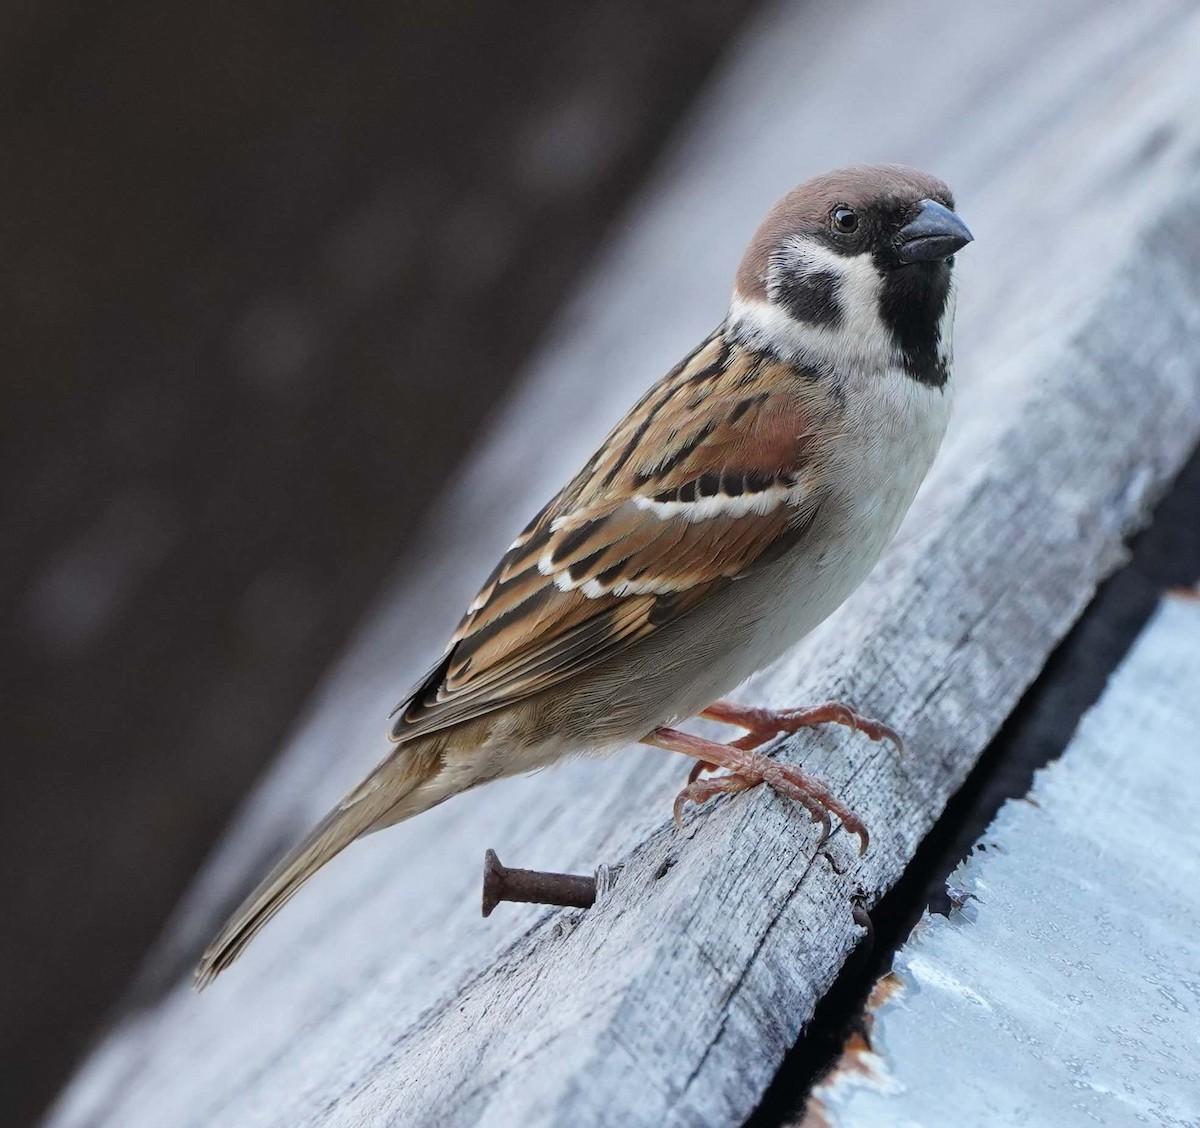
(844, 219)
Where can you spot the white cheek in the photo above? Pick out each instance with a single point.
(860, 342)
(860, 339)
(860, 293)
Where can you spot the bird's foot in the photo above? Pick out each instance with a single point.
(748, 769)
(762, 725)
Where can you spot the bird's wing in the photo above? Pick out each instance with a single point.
(716, 470)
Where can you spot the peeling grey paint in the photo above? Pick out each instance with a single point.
(1066, 989)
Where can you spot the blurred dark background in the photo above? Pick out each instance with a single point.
(265, 269)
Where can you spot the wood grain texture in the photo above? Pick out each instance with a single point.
(1070, 137)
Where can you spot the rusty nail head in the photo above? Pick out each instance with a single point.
(533, 886)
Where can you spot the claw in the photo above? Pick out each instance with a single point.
(747, 768)
(677, 807)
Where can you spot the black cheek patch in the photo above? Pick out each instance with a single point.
(812, 298)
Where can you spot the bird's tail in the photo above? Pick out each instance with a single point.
(402, 786)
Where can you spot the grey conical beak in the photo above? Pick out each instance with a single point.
(935, 233)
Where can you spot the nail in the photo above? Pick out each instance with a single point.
(503, 884)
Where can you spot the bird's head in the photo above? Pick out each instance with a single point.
(852, 270)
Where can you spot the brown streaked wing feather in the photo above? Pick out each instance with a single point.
(621, 622)
(602, 566)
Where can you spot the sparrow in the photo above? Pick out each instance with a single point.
(736, 505)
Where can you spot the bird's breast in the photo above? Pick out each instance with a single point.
(892, 429)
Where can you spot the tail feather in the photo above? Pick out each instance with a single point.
(392, 793)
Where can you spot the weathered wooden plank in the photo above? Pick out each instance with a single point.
(1064, 989)
(1070, 133)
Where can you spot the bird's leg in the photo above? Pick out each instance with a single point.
(764, 724)
(748, 769)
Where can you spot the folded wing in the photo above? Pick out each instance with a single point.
(712, 474)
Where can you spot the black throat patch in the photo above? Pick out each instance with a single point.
(911, 305)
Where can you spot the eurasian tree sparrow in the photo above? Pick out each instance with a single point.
(740, 501)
